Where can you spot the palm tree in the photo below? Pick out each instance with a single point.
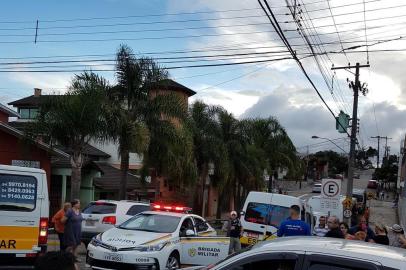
(73, 120)
(209, 148)
(268, 135)
(139, 117)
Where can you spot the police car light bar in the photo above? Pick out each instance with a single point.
(171, 208)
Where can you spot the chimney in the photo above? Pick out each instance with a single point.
(37, 92)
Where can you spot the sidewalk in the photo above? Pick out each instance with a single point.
(53, 244)
(382, 212)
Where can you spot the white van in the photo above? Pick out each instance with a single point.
(263, 213)
(24, 213)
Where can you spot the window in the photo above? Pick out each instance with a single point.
(187, 224)
(268, 265)
(331, 266)
(151, 223)
(28, 113)
(17, 192)
(201, 225)
(136, 209)
(100, 208)
(267, 214)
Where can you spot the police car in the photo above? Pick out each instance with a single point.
(164, 238)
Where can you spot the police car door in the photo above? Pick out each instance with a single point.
(202, 250)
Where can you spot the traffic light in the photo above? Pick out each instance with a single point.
(342, 122)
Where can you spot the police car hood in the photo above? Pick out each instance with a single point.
(129, 238)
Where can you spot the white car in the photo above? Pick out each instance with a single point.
(157, 240)
(315, 253)
(101, 215)
(316, 188)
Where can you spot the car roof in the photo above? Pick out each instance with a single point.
(121, 202)
(339, 247)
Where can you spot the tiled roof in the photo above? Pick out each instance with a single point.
(111, 177)
(169, 84)
(8, 111)
(19, 134)
(89, 150)
(30, 101)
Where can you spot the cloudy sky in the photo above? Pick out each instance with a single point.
(79, 29)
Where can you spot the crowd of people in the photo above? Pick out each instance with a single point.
(332, 227)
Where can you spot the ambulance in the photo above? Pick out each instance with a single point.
(263, 213)
(166, 238)
(24, 212)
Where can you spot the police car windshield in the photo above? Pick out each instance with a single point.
(152, 223)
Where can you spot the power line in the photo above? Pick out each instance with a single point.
(358, 12)
(173, 67)
(280, 33)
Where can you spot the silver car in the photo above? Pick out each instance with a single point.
(314, 253)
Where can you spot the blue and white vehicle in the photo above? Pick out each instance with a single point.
(157, 240)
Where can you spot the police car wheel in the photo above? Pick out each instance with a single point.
(173, 262)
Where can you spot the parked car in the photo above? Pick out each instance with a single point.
(339, 176)
(316, 188)
(357, 176)
(299, 253)
(101, 215)
(372, 184)
(160, 240)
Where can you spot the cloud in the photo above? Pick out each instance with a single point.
(301, 113)
(58, 82)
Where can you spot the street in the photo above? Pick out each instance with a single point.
(380, 211)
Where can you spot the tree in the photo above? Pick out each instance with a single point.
(388, 171)
(209, 148)
(337, 163)
(141, 119)
(74, 119)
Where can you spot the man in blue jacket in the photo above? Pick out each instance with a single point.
(294, 226)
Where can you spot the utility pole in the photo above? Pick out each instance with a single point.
(356, 87)
(386, 146)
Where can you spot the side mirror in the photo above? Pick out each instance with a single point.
(190, 233)
(242, 213)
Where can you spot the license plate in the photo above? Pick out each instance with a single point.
(90, 222)
(113, 257)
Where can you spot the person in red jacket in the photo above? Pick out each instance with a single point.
(59, 225)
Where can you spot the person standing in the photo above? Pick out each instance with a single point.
(59, 226)
(73, 227)
(321, 229)
(344, 229)
(234, 231)
(333, 224)
(293, 226)
(362, 226)
(397, 238)
(381, 235)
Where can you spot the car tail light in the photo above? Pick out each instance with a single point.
(109, 220)
(43, 231)
(31, 255)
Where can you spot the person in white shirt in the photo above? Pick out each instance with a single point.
(321, 230)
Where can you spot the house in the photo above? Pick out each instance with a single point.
(16, 149)
(101, 172)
